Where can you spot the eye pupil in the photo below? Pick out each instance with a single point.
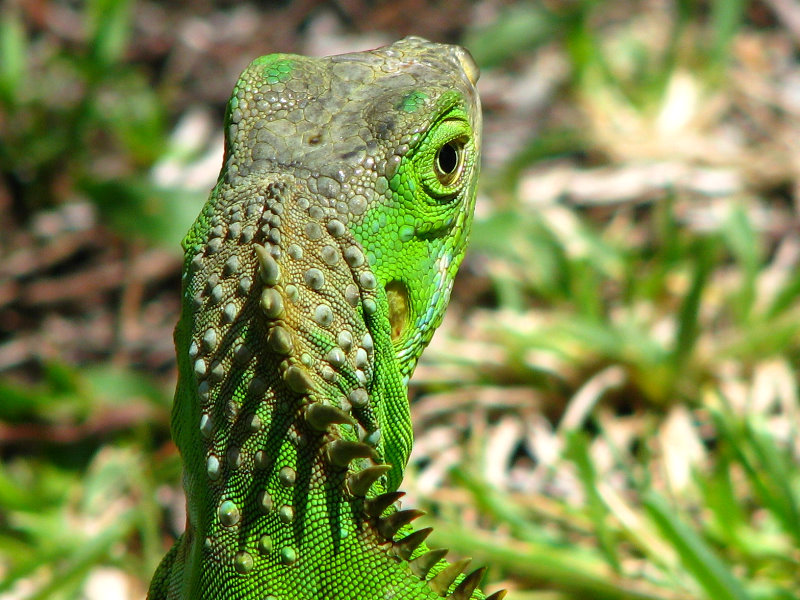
(447, 159)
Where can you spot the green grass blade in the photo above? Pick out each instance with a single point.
(700, 561)
(688, 316)
(726, 17)
(13, 55)
(578, 451)
(563, 567)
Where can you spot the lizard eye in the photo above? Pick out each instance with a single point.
(446, 159)
(449, 162)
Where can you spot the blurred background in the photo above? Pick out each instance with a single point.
(610, 410)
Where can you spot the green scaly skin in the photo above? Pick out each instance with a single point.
(314, 277)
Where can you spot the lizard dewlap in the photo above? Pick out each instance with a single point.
(314, 277)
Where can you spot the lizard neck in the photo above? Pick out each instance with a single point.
(288, 373)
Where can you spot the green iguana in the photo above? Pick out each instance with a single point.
(314, 277)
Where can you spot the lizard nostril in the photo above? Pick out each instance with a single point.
(397, 296)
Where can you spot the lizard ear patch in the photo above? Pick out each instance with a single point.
(397, 296)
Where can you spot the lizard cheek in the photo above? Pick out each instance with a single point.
(397, 296)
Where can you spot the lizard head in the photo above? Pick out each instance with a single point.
(390, 141)
(425, 122)
(415, 233)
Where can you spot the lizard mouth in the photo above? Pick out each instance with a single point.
(397, 296)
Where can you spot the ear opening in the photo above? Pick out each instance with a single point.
(397, 296)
